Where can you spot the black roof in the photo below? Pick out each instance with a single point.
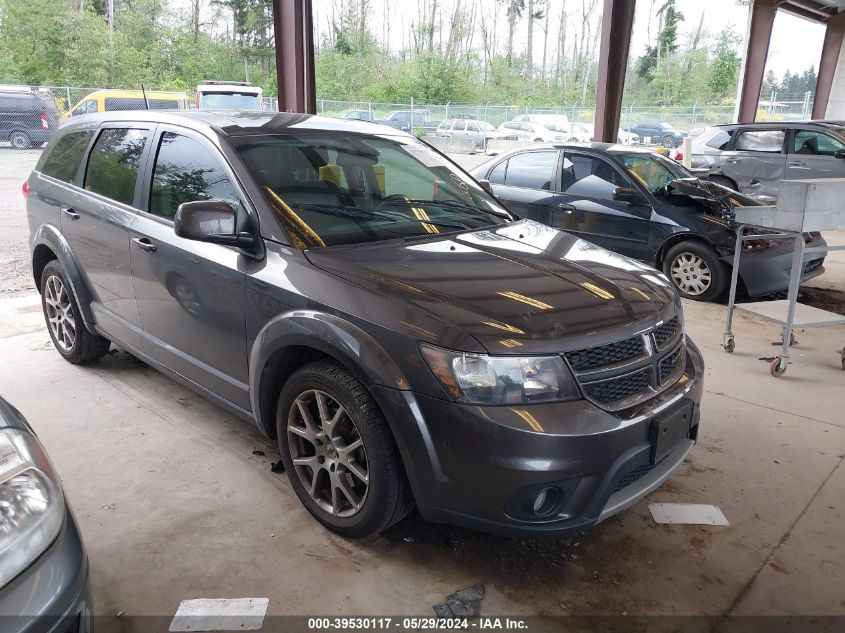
(241, 123)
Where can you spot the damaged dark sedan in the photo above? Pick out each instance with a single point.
(645, 206)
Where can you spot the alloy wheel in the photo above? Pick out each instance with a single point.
(60, 315)
(691, 274)
(328, 453)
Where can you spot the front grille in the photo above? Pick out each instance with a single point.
(634, 475)
(604, 355)
(623, 374)
(622, 388)
(666, 332)
(669, 364)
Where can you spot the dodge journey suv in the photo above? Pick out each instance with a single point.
(366, 303)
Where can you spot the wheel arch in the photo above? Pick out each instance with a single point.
(295, 338)
(721, 175)
(677, 238)
(48, 244)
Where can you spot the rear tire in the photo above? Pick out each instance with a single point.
(64, 320)
(696, 271)
(347, 471)
(20, 140)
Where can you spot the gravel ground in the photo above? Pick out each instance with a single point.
(15, 274)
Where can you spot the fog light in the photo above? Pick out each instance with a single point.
(545, 500)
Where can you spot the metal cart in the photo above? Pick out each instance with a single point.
(803, 206)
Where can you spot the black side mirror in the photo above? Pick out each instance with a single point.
(629, 195)
(840, 153)
(210, 221)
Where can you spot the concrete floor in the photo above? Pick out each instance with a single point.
(174, 503)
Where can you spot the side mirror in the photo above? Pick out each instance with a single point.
(485, 184)
(629, 195)
(210, 221)
(840, 153)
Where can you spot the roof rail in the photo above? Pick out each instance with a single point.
(216, 82)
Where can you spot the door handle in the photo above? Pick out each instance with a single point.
(732, 161)
(797, 163)
(566, 208)
(145, 244)
(71, 213)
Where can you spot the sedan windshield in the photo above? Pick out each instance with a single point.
(331, 188)
(653, 171)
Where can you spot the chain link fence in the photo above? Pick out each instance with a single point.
(29, 114)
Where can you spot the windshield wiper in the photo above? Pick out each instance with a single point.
(344, 211)
(453, 204)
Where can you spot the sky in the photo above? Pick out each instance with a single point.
(796, 43)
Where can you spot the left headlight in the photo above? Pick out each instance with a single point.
(492, 380)
(32, 505)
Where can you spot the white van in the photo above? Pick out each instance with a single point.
(229, 95)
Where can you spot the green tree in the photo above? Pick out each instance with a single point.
(724, 70)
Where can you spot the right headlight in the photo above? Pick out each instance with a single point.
(32, 505)
(491, 380)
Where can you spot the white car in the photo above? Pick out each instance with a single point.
(525, 131)
(229, 95)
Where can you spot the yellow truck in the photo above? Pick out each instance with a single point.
(110, 100)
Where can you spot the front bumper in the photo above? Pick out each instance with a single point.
(767, 272)
(53, 594)
(480, 467)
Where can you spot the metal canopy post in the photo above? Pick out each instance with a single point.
(756, 51)
(294, 36)
(833, 35)
(617, 23)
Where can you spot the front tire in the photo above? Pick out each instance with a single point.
(64, 320)
(338, 452)
(696, 271)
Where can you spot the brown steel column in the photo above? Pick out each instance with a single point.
(294, 36)
(833, 36)
(757, 49)
(616, 25)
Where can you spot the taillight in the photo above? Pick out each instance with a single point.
(679, 155)
(44, 123)
(25, 189)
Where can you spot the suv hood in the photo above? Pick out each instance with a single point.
(520, 288)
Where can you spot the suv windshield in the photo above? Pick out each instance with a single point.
(328, 189)
(653, 171)
(226, 100)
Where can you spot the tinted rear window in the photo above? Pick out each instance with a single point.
(532, 170)
(63, 161)
(113, 164)
(720, 139)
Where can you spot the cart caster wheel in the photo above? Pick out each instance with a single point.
(775, 369)
(729, 345)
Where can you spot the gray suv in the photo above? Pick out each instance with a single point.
(754, 158)
(365, 302)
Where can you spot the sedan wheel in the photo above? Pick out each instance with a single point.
(328, 453)
(20, 140)
(691, 274)
(60, 314)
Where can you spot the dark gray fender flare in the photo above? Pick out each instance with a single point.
(50, 236)
(329, 334)
(361, 354)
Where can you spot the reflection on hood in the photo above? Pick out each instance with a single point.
(708, 197)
